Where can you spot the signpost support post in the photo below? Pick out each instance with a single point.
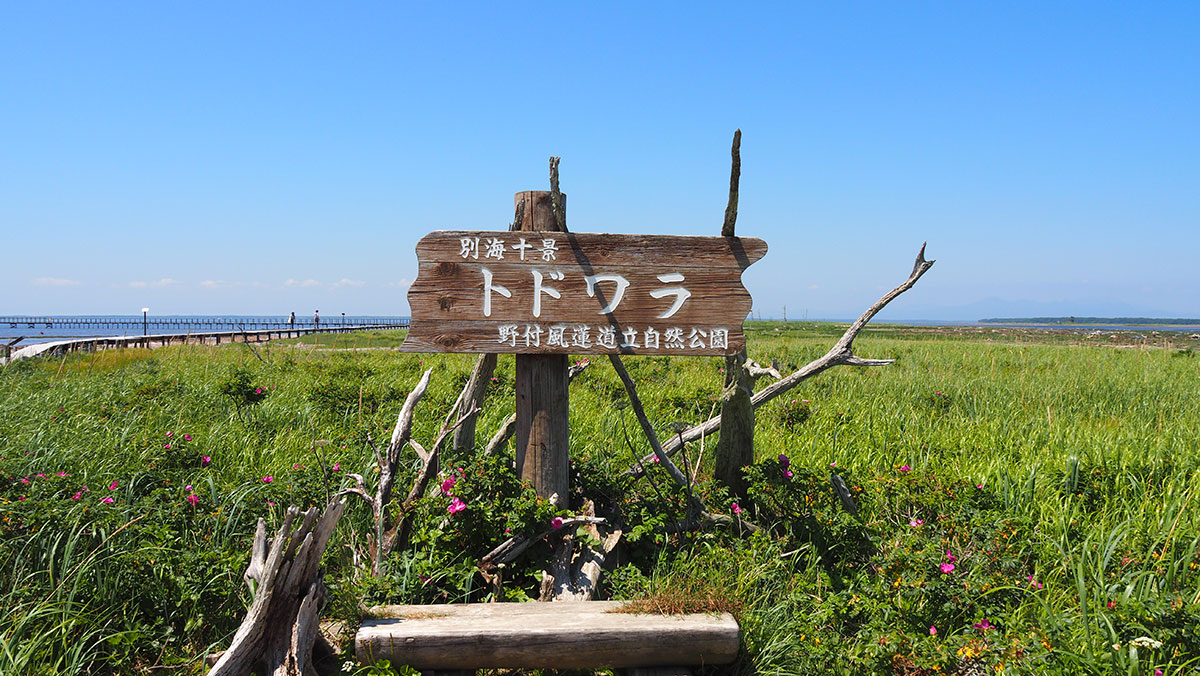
(542, 432)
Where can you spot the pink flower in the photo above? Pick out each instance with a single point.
(297, 466)
(932, 630)
(188, 488)
(947, 568)
(447, 484)
(268, 479)
(833, 464)
(1110, 605)
(61, 474)
(169, 433)
(193, 499)
(734, 508)
(788, 474)
(556, 522)
(77, 495)
(804, 401)
(187, 437)
(1158, 672)
(270, 504)
(1035, 583)
(979, 486)
(258, 390)
(917, 523)
(337, 466)
(38, 475)
(905, 468)
(456, 506)
(950, 557)
(204, 460)
(984, 625)
(25, 480)
(107, 501)
(113, 485)
(21, 499)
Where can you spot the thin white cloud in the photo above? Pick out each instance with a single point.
(403, 283)
(304, 284)
(214, 284)
(53, 281)
(814, 286)
(344, 281)
(165, 281)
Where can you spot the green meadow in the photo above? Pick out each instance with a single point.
(1026, 500)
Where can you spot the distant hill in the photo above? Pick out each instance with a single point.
(1116, 321)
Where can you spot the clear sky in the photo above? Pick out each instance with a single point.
(262, 158)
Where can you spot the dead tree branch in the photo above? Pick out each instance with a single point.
(841, 354)
(476, 389)
(735, 176)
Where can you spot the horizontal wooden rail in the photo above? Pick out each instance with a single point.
(163, 339)
(557, 635)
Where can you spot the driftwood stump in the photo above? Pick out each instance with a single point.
(282, 625)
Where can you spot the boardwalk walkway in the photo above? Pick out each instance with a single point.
(61, 347)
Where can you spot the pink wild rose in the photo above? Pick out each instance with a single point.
(268, 479)
(113, 485)
(947, 568)
(107, 501)
(905, 468)
(735, 508)
(456, 505)
(932, 630)
(556, 522)
(193, 499)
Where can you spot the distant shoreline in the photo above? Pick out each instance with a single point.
(1108, 321)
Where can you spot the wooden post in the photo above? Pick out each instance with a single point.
(542, 429)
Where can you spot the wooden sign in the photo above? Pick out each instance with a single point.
(579, 293)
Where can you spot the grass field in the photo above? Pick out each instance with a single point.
(1027, 499)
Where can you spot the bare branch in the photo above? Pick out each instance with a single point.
(476, 389)
(735, 176)
(757, 370)
(510, 549)
(647, 428)
(839, 355)
(403, 429)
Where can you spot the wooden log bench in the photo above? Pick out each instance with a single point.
(558, 635)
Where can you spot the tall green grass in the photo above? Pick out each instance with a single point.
(1091, 449)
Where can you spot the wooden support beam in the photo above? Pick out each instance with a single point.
(541, 382)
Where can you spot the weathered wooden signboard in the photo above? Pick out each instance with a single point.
(579, 293)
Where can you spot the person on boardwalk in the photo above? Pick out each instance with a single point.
(291, 320)
(316, 319)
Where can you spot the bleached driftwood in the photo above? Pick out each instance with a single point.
(576, 570)
(841, 354)
(282, 624)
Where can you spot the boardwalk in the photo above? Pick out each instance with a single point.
(182, 323)
(61, 347)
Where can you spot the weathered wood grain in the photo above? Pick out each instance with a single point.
(464, 293)
(560, 635)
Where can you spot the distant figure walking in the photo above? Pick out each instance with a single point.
(291, 320)
(316, 319)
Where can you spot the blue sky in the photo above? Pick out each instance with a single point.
(263, 158)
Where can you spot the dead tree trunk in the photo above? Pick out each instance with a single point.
(735, 447)
(282, 625)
